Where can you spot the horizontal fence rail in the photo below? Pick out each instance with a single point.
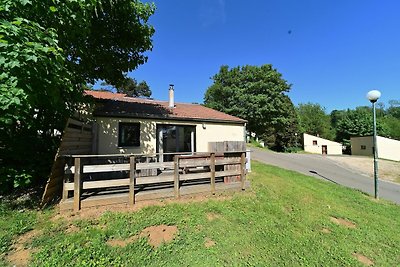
(183, 168)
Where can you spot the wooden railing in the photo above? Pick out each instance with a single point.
(183, 168)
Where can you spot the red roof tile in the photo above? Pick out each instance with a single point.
(104, 94)
(114, 104)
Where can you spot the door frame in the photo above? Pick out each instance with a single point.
(160, 141)
(324, 149)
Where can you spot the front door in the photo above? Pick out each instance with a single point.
(173, 139)
(324, 150)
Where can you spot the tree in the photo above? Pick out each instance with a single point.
(314, 120)
(358, 122)
(48, 50)
(392, 126)
(257, 94)
(394, 109)
(132, 88)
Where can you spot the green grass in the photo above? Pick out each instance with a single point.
(254, 143)
(277, 223)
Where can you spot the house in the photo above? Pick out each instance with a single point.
(318, 145)
(387, 148)
(126, 144)
(127, 125)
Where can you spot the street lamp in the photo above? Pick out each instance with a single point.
(373, 96)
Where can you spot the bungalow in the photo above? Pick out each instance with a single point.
(127, 125)
(132, 143)
(387, 148)
(318, 145)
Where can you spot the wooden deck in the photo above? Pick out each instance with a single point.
(90, 181)
(121, 196)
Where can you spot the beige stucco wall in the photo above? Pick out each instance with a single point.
(212, 132)
(357, 142)
(333, 148)
(387, 148)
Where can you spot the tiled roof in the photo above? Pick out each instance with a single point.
(120, 105)
(104, 94)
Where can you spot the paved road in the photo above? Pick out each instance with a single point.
(324, 168)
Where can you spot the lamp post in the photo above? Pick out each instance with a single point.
(373, 96)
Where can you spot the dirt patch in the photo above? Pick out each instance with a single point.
(288, 209)
(156, 235)
(344, 222)
(211, 216)
(19, 254)
(308, 199)
(363, 259)
(122, 242)
(208, 242)
(160, 234)
(388, 170)
(72, 229)
(326, 231)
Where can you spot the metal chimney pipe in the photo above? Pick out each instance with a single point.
(171, 96)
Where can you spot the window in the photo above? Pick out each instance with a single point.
(175, 138)
(129, 134)
(314, 142)
(363, 147)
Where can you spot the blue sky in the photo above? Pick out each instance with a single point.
(331, 51)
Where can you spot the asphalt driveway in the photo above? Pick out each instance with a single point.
(323, 168)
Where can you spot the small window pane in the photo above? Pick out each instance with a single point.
(363, 147)
(315, 142)
(129, 134)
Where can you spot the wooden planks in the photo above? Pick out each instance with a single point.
(212, 170)
(185, 168)
(176, 177)
(184, 163)
(122, 182)
(76, 139)
(132, 180)
(243, 169)
(231, 146)
(77, 185)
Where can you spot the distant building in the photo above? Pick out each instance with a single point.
(387, 148)
(317, 145)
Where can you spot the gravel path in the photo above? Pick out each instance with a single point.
(387, 170)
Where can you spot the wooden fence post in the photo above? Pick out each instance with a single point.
(176, 177)
(77, 184)
(212, 170)
(132, 180)
(243, 169)
(64, 191)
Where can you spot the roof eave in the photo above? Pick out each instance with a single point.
(151, 116)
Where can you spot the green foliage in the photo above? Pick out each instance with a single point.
(314, 120)
(279, 223)
(131, 88)
(257, 94)
(255, 143)
(48, 50)
(394, 109)
(357, 122)
(393, 126)
(294, 149)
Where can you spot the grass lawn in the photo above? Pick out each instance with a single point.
(286, 219)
